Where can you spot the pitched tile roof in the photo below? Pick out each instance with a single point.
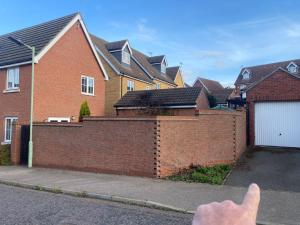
(38, 36)
(143, 60)
(222, 95)
(250, 86)
(210, 85)
(116, 45)
(160, 97)
(156, 59)
(172, 72)
(260, 71)
(134, 70)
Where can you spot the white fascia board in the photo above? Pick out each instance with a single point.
(16, 64)
(107, 60)
(127, 44)
(62, 33)
(202, 84)
(292, 63)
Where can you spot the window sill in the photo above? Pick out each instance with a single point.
(11, 90)
(87, 94)
(6, 143)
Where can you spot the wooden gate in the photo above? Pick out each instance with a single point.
(24, 144)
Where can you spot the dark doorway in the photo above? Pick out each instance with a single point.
(24, 144)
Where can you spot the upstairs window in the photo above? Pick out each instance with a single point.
(163, 68)
(246, 75)
(242, 87)
(126, 57)
(87, 85)
(292, 68)
(130, 85)
(13, 77)
(158, 86)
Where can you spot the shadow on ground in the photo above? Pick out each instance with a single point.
(271, 168)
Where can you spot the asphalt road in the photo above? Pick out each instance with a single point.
(23, 206)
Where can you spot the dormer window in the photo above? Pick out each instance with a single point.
(163, 68)
(121, 50)
(159, 63)
(292, 67)
(126, 57)
(246, 75)
(242, 87)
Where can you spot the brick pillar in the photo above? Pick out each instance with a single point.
(15, 149)
(251, 123)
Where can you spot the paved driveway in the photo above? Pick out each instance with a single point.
(271, 168)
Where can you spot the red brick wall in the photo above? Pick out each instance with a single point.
(214, 137)
(120, 147)
(16, 104)
(58, 78)
(280, 86)
(152, 147)
(202, 101)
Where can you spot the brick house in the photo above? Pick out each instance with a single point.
(68, 71)
(215, 89)
(171, 102)
(272, 93)
(129, 69)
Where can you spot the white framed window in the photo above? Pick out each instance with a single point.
(59, 119)
(158, 86)
(243, 86)
(8, 128)
(87, 85)
(130, 85)
(163, 68)
(126, 57)
(292, 68)
(13, 78)
(246, 75)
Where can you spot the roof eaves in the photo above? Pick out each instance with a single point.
(62, 32)
(107, 60)
(199, 78)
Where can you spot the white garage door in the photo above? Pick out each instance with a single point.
(277, 124)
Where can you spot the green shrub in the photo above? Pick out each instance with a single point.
(211, 175)
(84, 110)
(5, 155)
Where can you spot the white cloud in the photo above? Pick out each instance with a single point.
(143, 32)
(293, 30)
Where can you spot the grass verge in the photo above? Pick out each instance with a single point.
(210, 175)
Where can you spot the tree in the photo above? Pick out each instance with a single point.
(212, 100)
(84, 110)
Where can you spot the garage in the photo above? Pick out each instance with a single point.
(277, 124)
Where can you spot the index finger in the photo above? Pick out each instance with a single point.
(252, 198)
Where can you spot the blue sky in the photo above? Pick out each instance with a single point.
(212, 39)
